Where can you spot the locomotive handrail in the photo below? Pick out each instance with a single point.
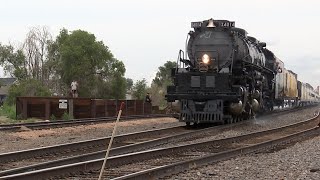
(186, 46)
(181, 53)
(232, 58)
(182, 59)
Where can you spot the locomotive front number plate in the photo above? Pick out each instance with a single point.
(227, 24)
(196, 24)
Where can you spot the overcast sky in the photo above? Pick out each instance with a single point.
(144, 34)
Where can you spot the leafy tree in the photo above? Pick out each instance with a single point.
(118, 85)
(13, 61)
(158, 95)
(46, 63)
(140, 89)
(129, 83)
(79, 56)
(29, 87)
(160, 82)
(163, 76)
(29, 60)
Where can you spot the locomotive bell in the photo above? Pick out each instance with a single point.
(211, 24)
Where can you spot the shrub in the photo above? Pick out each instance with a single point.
(8, 110)
(66, 116)
(29, 87)
(53, 117)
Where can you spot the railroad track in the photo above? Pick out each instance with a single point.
(38, 155)
(50, 153)
(224, 149)
(127, 143)
(190, 152)
(84, 121)
(72, 122)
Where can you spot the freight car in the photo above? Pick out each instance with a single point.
(226, 76)
(307, 94)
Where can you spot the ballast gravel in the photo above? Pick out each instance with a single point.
(256, 125)
(301, 161)
(27, 139)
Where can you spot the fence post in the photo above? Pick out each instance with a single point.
(106, 108)
(93, 108)
(24, 109)
(135, 107)
(47, 111)
(116, 106)
(71, 107)
(126, 101)
(143, 107)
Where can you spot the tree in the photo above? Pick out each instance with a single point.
(79, 56)
(35, 49)
(28, 87)
(163, 76)
(160, 82)
(13, 61)
(118, 85)
(140, 89)
(129, 83)
(29, 61)
(75, 55)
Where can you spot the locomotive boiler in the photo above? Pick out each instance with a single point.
(223, 76)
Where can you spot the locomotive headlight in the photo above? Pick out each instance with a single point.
(206, 58)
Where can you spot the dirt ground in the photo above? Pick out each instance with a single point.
(27, 139)
(4, 120)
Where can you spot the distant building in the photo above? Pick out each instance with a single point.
(318, 90)
(128, 96)
(5, 84)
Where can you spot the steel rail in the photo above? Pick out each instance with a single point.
(179, 167)
(139, 156)
(23, 154)
(36, 152)
(119, 150)
(61, 123)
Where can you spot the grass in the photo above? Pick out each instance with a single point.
(8, 115)
(66, 116)
(5, 120)
(8, 111)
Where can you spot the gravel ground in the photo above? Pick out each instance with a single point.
(259, 124)
(301, 161)
(12, 141)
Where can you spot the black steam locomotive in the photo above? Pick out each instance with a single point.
(228, 76)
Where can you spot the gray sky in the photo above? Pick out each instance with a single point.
(144, 34)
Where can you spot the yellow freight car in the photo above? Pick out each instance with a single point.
(290, 84)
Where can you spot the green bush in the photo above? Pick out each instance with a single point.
(29, 87)
(66, 116)
(53, 117)
(8, 110)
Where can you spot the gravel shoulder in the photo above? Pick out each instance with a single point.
(259, 124)
(278, 165)
(27, 139)
(301, 161)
